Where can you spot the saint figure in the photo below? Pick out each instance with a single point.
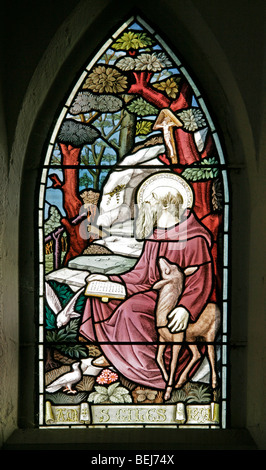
(126, 330)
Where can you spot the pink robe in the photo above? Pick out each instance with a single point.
(125, 330)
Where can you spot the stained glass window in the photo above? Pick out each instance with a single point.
(133, 247)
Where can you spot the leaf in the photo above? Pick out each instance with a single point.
(50, 336)
(194, 173)
(141, 107)
(63, 292)
(83, 352)
(100, 399)
(143, 127)
(127, 398)
(115, 399)
(112, 388)
(102, 390)
(170, 86)
(200, 394)
(50, 319)
(122, 390)
(92, 396)
(131, 40)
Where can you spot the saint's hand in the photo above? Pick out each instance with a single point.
(97, 277)
(178, 319)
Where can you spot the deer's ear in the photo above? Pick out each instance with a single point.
(190, 270)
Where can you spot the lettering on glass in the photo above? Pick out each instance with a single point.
(134, 214)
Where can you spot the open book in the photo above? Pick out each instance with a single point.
(106, 290)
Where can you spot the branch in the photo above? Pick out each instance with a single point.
(57, 183)
(113, 145)
(143, 88)
(184, 98)
(106, 138)
(59, 230)
(100, 156)
(92, 172)
(54, 234)
(94, 154)
(112, 131)
(93, 117)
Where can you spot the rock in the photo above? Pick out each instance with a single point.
(105, 264)
(122, 245)
(72, 277)
(118, 198)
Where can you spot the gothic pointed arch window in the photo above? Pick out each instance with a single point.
(133, 246)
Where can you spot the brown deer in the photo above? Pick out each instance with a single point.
(170, 288)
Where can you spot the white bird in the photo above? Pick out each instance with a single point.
(63, 315)
(66, 380)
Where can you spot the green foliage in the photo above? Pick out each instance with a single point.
(105, 80)
(205, 171)
(80, 304)
(169, 86)
(63, 292)
(114, 393)
(192, 393)
(54, 220)
(73, 351)
(144, 127)
(50, 318)
(192, 118)
(66, 338)
(200, 394)
(65, 334)
(141, 107)
(85, 181)
(131, 40)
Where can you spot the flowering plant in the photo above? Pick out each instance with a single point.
(106, 377)
(114, 393)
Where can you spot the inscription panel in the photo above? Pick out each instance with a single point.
(132, 415)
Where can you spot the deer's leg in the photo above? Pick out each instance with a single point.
(160, 359)
(195, 357)
(211, 354)
(178, 339)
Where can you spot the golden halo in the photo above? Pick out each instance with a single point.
(162, 183)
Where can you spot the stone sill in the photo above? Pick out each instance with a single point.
(121, 439)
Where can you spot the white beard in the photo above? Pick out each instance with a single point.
(149, 213)
(146, 220)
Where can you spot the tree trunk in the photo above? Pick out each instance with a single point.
(127, 132)
(70, 186)
(71, 200)
(186, 148)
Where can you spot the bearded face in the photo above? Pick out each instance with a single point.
(146, 220)
(150, 212)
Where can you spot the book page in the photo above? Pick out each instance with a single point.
(106, 289)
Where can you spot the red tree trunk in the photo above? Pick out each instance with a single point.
(186, 148)
(70, 186)
(71, 200)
